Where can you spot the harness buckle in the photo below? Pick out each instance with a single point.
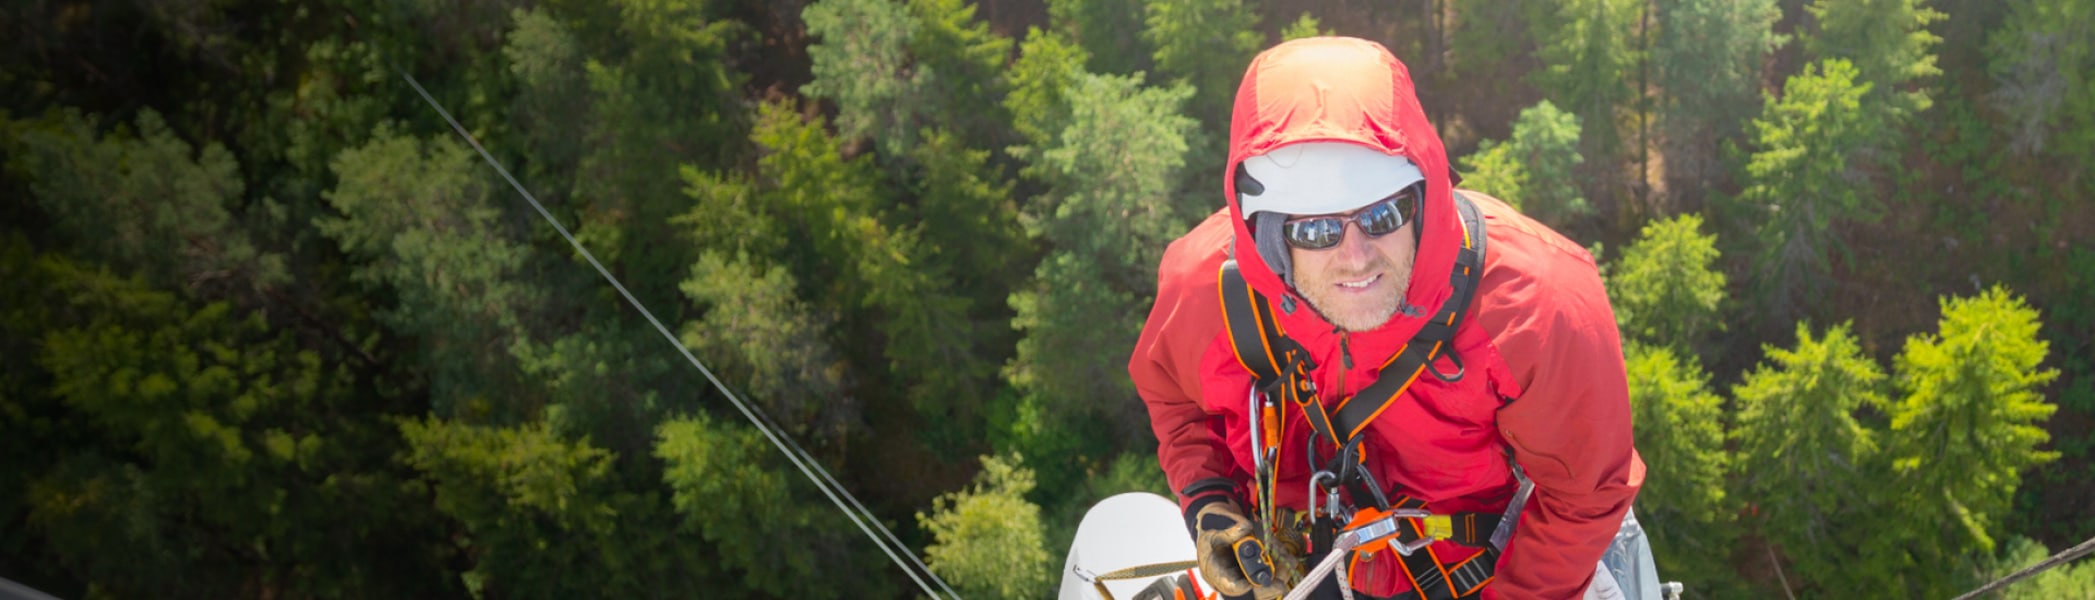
(1371, 527)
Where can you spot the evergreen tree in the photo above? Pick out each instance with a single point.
(423, 228)
(1680, 435)
(862, 63)
(871, 269)
(989, 537)
(188, 447)
(1533, 170)
(1491, 34)
(145, 200)
(1803, 179)
(551, 69)
(1047, 70)
(1804, 461)
(760, 526)
(1969, 424)
(1112, 39)
(1305, 27)
(894, 70)
(1588, 57)
(2045, 76)
(662, 96)
(1888, 43)
(2064, 581)
(759, 335)
(970, 236)
(966, 62)
(1665, 290)
(1706, 64)
(1205, 44)
(1105, 215)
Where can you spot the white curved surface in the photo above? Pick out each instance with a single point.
(1126, 530)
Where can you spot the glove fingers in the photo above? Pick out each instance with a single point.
(1220, 571)
(1221, 525)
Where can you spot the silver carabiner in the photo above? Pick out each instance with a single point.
(1311, 498)
(1389, 525)
(1258, 452)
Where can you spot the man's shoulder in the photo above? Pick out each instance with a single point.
(1186, 321)
(1193, 259)
(1508, 226)
(1541, 298)
(1534, 277)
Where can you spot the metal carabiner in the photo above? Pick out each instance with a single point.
(1390, 524)
(1311, 498)
(1258, 437)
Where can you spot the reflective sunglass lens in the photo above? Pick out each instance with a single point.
(1315, 234)
(1377, 220)
(1381, 219)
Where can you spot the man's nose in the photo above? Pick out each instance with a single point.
(1355, 248)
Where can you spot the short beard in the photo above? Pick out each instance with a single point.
(1317, 289)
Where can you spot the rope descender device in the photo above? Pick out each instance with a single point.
(1375, 531)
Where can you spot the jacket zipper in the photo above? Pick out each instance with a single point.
(1345, 358)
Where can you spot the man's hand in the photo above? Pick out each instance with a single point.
(1218, 528)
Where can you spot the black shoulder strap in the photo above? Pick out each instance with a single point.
(1253, 333)
(1432, 340)
(1264, 350)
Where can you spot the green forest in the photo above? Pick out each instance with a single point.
(272, 329)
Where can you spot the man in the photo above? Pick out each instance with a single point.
(1342, 217)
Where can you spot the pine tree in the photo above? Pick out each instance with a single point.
(1665, 290)
(2045, 77)
(1680, 436)
(1970, 423)
(989, 540)
(1888, 43)
(1803, 179)
(1106, 219)
(1706, 64)
(1805, 463)
(1533, 170)
(422, 227)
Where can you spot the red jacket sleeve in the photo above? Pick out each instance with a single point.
(1569, 426)
(1167, 359)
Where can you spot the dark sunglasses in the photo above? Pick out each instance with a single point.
(1376, 220)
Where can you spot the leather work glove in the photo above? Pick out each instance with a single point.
(1220, 530)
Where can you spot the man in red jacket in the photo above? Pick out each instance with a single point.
(1343, 219)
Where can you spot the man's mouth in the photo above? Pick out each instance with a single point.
(1362, 283)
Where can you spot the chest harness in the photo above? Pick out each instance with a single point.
(1282, 369)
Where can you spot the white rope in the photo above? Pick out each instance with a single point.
(1324, 568)
(785, 445)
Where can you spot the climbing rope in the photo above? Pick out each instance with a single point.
(799, 457)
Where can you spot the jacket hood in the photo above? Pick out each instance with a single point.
(1337, 89)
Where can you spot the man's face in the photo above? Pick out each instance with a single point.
(1358, 284)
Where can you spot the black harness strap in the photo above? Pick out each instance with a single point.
(1253, 334)
(1432, 340)
(1432, 581)
(1278, 363)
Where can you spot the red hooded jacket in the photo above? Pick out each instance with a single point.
(1543, 363)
